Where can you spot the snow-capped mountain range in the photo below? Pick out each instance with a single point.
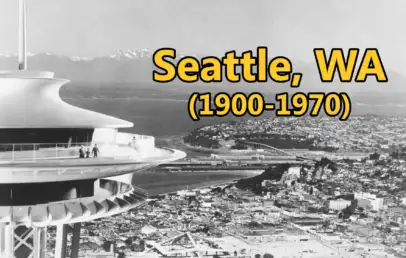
(133, 65)
(136, 66)
(119, 55)
(122, 66)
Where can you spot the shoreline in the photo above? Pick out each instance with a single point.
(160, 182)
(197, 188)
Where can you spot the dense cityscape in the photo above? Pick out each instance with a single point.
(336, 205)
(358, 134)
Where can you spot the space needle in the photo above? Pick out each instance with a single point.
(43, 181)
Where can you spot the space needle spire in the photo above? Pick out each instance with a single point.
(22, 33)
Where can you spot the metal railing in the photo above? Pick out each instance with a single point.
(125, 138)
(34, 151)
(143, 145)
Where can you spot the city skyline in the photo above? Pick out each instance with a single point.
(204, 28)
(218, 158)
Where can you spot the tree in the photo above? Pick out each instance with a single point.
(354, 205)
(395, 155)
(254, 224)
(374, 156)
(303, 174)
(347, 212)
(239, 146)
(106, 246)
(403, 185)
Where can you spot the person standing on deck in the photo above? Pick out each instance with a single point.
(88, 153)
(81, 152)
(133, 142)
(95, 151)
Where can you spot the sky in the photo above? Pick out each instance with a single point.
(90, 28)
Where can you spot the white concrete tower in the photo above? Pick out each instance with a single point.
(46, 180)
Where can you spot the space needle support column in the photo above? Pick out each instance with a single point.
(40, 242)
(22, 33)
(8, 232)
(75, 240)
(61, 240)
(2, 239)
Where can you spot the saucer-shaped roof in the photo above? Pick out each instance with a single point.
(30, 99)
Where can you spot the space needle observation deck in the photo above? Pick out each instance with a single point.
(43, 181)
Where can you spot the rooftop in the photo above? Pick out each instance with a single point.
(30, 99)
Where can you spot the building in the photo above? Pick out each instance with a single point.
(362, 195)
(367, 200)
(148, 229)
(294, 171)
(339, 204)
(46, 178)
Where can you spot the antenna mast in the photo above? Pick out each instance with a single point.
(22, 42)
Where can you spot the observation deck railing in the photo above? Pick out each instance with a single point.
(57, 152)
(34, 151)
(126, 145)
(38, 151)
(143, 144)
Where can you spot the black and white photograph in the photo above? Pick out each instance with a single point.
(202, 128)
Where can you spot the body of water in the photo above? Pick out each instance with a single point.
(163, 113)
(163, 182)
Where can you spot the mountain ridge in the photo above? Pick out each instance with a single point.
(135, 66)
